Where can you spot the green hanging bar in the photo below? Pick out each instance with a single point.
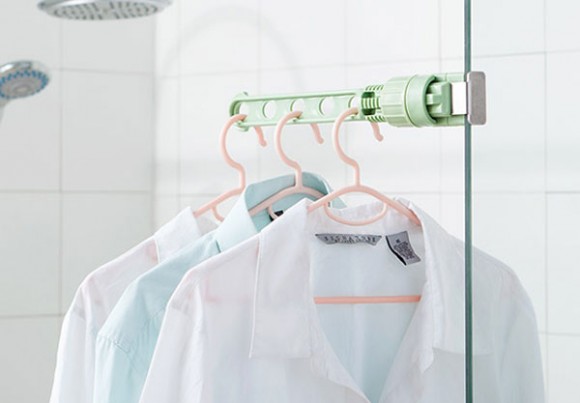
(412, 101)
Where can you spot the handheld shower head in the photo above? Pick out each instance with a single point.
(21, 79)
(102, 9)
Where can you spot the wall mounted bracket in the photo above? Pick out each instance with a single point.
(437, 100)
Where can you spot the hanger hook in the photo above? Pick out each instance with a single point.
(338, 147)
(280, 151)
(224, 150)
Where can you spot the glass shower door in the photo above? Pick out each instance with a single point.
(526, 177)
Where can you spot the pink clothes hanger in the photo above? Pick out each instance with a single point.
(298, 187)
(358, 187)
(212, 205)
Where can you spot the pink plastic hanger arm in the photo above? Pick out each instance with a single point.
(367, 300)
(212, 205)
(358, 187)
(298, 187)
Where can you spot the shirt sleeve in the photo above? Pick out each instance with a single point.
(520, 363)
(73, 376)
(175, 372)
(117, 376)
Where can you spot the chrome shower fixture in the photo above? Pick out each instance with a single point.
(102, 9)
(21, 79)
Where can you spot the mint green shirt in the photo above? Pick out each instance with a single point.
(126, 342)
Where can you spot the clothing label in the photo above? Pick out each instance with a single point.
(331, 239)
(401, 247)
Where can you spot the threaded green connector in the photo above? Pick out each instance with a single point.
(412, 101)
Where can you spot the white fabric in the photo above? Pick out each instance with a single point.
(95, 299)
(242, 327)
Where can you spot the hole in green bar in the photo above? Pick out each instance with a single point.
(353, 102)
(297, 105)
(244, 108)
(269, 109)
(326, 106)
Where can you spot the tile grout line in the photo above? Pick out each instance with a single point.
(440, 68)
(345, 78)
(105, 72)
(179, 181)
(562, 334)
(546, 210)
(394, 190)
(60, 291)
(259, 79)
(72, 192)
(30, 316)
(301, 67)
(153, 171)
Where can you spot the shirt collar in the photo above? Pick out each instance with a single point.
(239, 225)
(283, 306)
(177, 233)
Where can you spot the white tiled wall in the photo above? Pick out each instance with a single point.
(76, 176)
(126, 135)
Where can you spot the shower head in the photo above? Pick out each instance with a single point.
(102, 9)
(21, 79)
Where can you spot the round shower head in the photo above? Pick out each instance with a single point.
(22, 79)
(102, 9)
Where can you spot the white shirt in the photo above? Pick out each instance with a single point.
(242, 327)
(95, 299)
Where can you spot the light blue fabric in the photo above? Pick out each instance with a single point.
(126, 342)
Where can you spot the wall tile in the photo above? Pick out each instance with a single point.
(508, 152)
(27, 354)
(375, 32)
(29, 246)
(452, 159)
(511, 227)
(167, 136)
(96, 229)
(564, 367)
(453, 214)
(562, 29)
(195, 201)
(167, 42)
(452, 28)
(291, 37)
(30, 141)
(116, 46)
(107, 132)
(203, 170)
(165, 208)
(563, 277)
(500, 27)
(218, 36)
(28, 33)
(408, 158)
(563, 139)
